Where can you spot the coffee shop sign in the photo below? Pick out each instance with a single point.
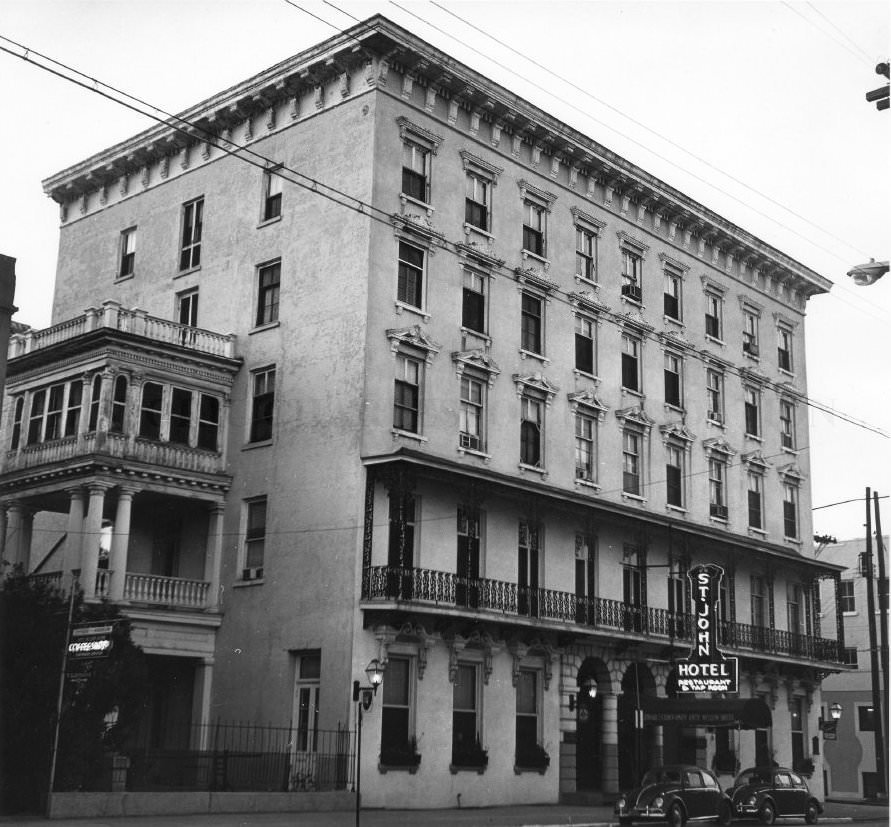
(706, 669)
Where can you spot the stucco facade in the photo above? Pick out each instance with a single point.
(486, 392)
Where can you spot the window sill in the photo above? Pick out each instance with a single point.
(411, 769)
(850, 614)
(583, 374)
(670, 406)
(677, 509)
(535, 469)
(633, 392)
(483, 337)
(716, 423)
(722, 521)
(754, 437)
(587, 282)
(751, 356)
(268, 221)
(518, 770)
(480, 454)
(401, 307)
(793, 451)
(715, 340)
(583, 483)
(636, 498)
(397, 434)
(473, 229)
(246, 584)
(757, 532)
(180, 273)
(528, 354)
(785, 372)
(792, 541)
(454, 769)
(407, 199)
(261, 327)
(674, 321)
(119, 279)
(545, 262)
(260, 443)
(633, 302)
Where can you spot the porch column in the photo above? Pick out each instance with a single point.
(92, 536)
(201, 702)
(14, 512)
(74, 530)
(658, 746)
(213, 557)
(4, 525)
(120, 542)
(105, 391)
(26, 534)
(610, 755)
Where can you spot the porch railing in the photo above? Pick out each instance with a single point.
(122, 446)
(165, 591)
(112, 315)
(448, 590)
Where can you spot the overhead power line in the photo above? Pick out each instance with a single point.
(314, 185)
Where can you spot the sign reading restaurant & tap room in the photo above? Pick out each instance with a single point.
(706, 669)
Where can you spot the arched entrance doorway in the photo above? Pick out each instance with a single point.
(589, 725)
(635, 745)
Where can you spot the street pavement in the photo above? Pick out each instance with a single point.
(542, 815)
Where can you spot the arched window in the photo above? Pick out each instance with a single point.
(17, 422)
(119, 404)
(95, 391)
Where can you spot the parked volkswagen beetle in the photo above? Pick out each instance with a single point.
(675, 793)
(768, 793)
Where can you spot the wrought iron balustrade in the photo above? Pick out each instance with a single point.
(481, 595)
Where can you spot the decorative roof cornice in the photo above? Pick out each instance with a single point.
(370, 50)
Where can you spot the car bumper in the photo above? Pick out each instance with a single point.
(641, 814)
(745, 811)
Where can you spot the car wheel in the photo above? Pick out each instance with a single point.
(767, 814)
(676, 816)
(725, 814)
(811, 813)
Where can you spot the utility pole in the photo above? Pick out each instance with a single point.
(883, 620)
(877, 716)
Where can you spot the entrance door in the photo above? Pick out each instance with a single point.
(467, 566)
(585, 586)
(304, 758)
(632, 594)
(589, 737)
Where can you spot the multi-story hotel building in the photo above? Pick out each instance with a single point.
(425, 375)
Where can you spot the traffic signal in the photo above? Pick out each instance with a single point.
(880, 96)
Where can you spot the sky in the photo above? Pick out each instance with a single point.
(754, 109)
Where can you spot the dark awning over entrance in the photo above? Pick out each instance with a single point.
(751, 713)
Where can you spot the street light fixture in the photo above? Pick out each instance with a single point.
(588, 688)
(835, 711)
(363, 696)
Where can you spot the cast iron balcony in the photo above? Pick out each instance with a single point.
(426, 588)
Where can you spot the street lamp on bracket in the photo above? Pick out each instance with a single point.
(588, 688)
(363, 697)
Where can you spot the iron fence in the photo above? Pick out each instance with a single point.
(245, 757)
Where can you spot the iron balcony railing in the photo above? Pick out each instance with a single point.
(480, 595)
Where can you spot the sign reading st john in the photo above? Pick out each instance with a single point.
(706, 669)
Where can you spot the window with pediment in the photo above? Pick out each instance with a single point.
(419, 145)
(587, 237)
(536, 207)
(479, 183)
(718, 456)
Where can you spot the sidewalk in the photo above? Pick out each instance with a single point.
(542, 815)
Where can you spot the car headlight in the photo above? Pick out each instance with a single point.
(750, 801)
(621, 803)
(658, 801)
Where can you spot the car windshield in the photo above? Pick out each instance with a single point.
(752, 777)
(661, 776)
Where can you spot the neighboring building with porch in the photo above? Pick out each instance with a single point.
(474, 414)
(850, 757)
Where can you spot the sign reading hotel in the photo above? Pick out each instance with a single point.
(706, 669)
